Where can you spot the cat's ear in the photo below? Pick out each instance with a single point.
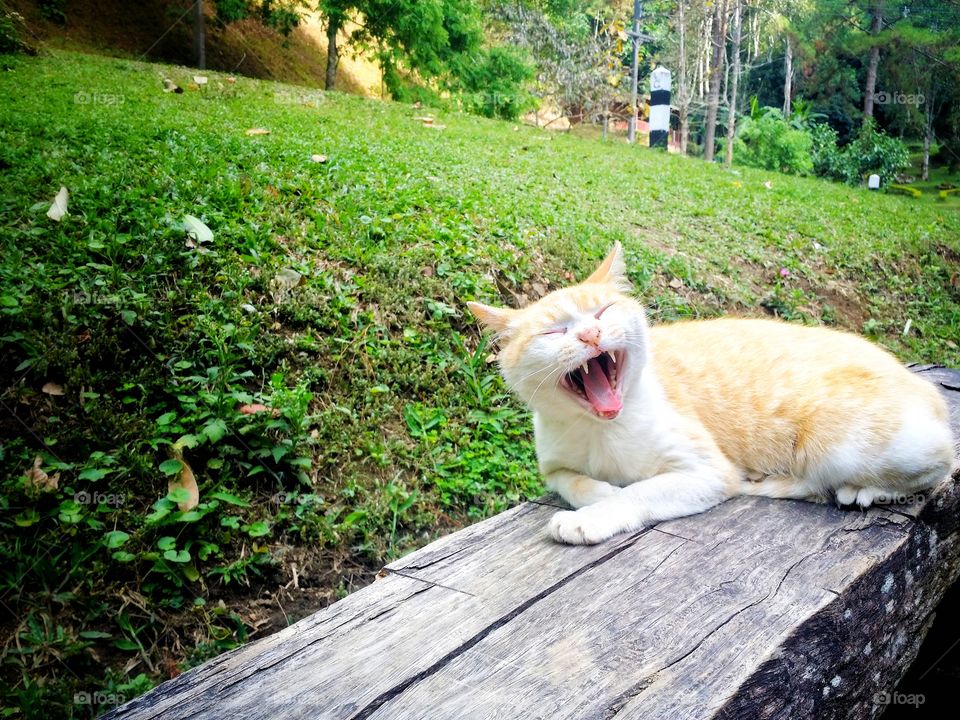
(612, 270)
(495, 319)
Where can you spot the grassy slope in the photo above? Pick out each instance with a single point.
(162, 32)
(390, 427)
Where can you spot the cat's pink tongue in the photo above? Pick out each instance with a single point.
(600, 393)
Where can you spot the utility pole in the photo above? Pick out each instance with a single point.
(199, 41)
(634, 70)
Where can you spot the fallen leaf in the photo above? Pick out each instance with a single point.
(258, 131)
(196, 230)
(231, 80)
(59, 207)
(253, 409)
(258, 408)
(193, 86)
(287, 279)
(676, 283)
(427, 271)
(186, 480)
(318, 158)
(52, 388)
(37, 479)
(768, 185)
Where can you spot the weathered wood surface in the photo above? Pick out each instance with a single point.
(756, 609)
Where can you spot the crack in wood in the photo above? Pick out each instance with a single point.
(434, 561)
(233, 680)
(431, 583)
(401, 687)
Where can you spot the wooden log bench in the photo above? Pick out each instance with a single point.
(756, 609)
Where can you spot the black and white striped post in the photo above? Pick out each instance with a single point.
(659, 107)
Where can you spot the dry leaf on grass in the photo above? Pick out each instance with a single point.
(186, 480)
(255, 408)
(318, 158)
(676, 283)
(37, 479)
(258, 131)
(52, 388)
(197, 230)
(59, 207)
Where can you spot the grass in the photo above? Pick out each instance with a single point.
(331, 299)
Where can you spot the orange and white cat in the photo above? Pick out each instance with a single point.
(635, 425)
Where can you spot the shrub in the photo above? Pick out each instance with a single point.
(767, 140)
(873, 151)
(10, 40)
(493, 83)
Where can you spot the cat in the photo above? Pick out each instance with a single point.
(635, 425)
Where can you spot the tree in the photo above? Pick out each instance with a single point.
(876, 24)
(713, 101)
(199, 35)
(735, 81)
(336, 14)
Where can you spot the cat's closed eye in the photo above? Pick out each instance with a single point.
(602, 310)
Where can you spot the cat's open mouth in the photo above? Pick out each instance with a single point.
(596, 384)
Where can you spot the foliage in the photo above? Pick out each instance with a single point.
(53, 10)
(493, 83)
(313, 364)
(11, 27)
(282, 15)
(766, 140)
(872, 151)
(578, 73)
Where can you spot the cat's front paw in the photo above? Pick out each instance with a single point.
(579, 527)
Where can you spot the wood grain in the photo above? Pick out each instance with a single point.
(758, 608)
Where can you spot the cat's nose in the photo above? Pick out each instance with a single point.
(590, 335)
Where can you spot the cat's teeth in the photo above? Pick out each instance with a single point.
(612, 355)
(586, 370)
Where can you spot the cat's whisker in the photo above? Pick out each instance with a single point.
(535, 372)
(559, 372)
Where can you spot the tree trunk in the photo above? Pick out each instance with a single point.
(333, 54)
(683, 88)
(199, 36)
(734, 82)
(927, 135)
(788, 78)
(874, 61)
(713, 101)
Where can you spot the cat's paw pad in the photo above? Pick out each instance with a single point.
(575, 527)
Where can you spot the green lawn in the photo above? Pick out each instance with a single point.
(331, 294)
